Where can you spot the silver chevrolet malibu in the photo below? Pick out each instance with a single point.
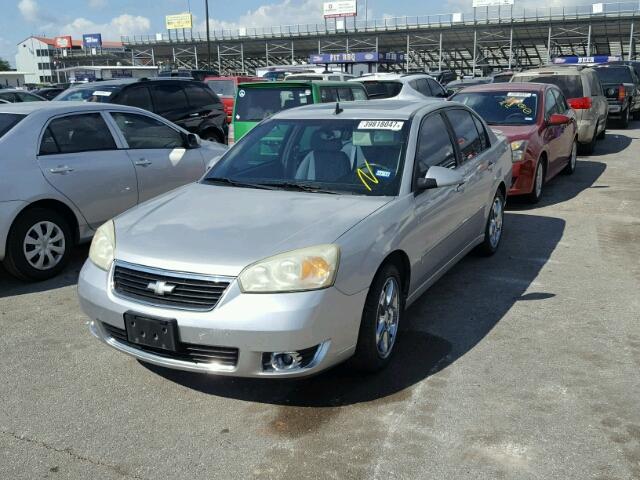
(304, 244)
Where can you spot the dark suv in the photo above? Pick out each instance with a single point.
(621, 86)
(188, 103)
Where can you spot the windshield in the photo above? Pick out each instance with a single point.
(256, 104)
(571, 85)
(8, 121)
(224, 88)
(614, 75)
(336, 156)
(385, 89)
(502, 108)
(97, 93)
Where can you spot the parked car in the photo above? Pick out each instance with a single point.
(458, 85)
(621, 86)
(257, 101)
(583, 91)
(68, 167)
(539, 125)
(397, 85)
(329, 76)
(14, 95)
(502, 77)
(226, 88)
(278, 75)
(48, 93)
(199, 75)
(316, 253)
(188, 103)
(443, 77)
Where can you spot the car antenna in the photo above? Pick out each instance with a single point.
(339, 110)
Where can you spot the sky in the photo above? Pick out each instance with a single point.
(113, 18)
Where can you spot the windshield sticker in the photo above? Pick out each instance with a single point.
(517, 102)
(383, 174)
(307, 92)
(520, 94)
(242, 93)
(528, 119)
(366, 177)
(392, 125)
(101, 93)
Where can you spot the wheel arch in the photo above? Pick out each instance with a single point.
(58, 207)
(399, 259)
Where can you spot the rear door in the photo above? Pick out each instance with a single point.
(205, 109)
(158, 152)
(554, 135)
(170, 102)
(78, 155)
(569, 130)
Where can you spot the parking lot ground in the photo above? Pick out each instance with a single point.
(525, 365)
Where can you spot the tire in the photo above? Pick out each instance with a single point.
(494, 227)
(27, 234)
(624, 119)
(212, 136)
(573, 160)
(371, 354)
(538, 183)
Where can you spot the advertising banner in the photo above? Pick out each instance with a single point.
(344, 8)
(62, 42)
(357, 57)
(92, 40)
(575, 60)
(181, 20)
(492, 3)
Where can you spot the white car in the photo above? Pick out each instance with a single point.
(401, 85)
(330, 76)
(68, 167)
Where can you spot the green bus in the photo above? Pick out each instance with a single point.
(260, 100)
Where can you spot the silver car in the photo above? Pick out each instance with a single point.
(304, 244)
(69, 167)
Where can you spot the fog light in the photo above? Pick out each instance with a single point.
(281, 361)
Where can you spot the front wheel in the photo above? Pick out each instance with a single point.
(493, 228)
(538, 184)
(383, 310)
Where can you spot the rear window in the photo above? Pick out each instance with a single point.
(224, 88)
(308, 77)
(571, 85)
(614, 75)
(97, 93)
(256, 104)
(8, 121)
(385, 89)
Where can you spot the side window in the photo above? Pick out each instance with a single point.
(561, 101)
(484, 137)
(141, 131)
(549, 104)
(434, 146)
(25, 97)
(424, 87)
(358, 93)
(78, 133)
(436, 88)
(328, 95)
(466, 133)
(344, 94)
(48, 145)
(335, 78)
(9, 97)
(200, 96)
(136, 96)
(169, 97)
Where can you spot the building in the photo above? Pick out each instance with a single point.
(36, 55)
(90, 73)
(12, 79)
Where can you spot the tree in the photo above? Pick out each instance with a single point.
(4, 65)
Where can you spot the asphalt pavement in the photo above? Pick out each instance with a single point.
(525, 365)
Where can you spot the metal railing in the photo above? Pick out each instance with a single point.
(487, 15)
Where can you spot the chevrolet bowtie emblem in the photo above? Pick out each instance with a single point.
(161, 288)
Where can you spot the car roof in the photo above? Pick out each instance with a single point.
(295, 83)
(127, 81)
(366, 109)
(55, 107)
(389, 76)
(13, 90)
(553, 69)
(508, 86)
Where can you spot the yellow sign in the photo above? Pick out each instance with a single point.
(181, 20)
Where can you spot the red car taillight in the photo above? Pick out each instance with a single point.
(621, 93)
(582, 103)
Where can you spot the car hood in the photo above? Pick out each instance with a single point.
(516, 132)
(220, 230)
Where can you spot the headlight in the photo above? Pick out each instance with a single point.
(103, 246)
(310, 268)
(517, 150)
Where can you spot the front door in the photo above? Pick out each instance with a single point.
(79, 157)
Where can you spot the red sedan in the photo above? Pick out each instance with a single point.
(539, 124)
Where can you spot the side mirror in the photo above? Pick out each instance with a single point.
(192, 140)
(450, 92)
(558, 119)
(438, 177)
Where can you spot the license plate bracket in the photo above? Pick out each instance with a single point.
(153, 332)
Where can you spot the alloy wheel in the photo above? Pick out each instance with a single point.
(44, 245)
(388, 317)
(539, 180)
(495, 221)
(574, 156)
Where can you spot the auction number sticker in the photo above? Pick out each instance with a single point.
(392, 125)
(101, 93)
(519, 94)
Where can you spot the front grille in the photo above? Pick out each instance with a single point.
(190, 292)
(225, 356)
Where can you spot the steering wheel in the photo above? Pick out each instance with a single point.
(515, 115)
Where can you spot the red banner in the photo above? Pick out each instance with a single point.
(63, 42)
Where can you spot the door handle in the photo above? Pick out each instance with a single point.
(143, 162)
(61, 170)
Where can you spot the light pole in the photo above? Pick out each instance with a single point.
(206, 14)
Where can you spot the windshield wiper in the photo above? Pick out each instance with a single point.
(301, 187)
(234, 183)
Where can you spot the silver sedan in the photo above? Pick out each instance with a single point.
(68, 167)
(304, 244)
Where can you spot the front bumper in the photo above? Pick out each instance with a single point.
(252, 323)
(522, 174)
